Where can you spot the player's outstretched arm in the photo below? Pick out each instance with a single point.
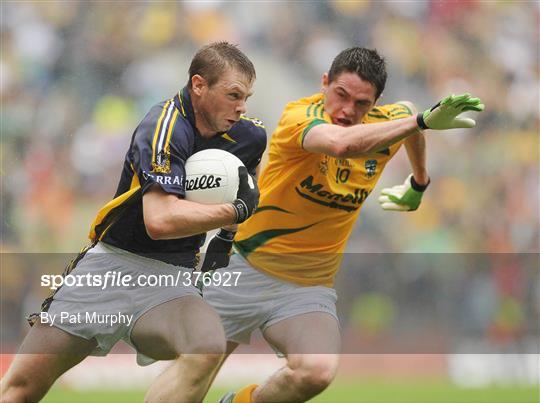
(362, 139)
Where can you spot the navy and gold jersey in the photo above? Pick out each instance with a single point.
(159, 148)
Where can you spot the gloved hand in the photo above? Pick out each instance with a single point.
(444, 115)
(406, 197)
(247, 196)
(218, 251)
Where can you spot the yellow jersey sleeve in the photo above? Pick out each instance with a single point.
(296, 121)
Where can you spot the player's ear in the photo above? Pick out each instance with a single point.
(324, 82)
(198, 83)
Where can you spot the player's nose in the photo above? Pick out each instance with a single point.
(241, 107)
(348, 110)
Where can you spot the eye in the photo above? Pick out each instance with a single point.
(234, 95)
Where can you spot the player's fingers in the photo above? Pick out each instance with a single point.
(468, 103)
(464, 123)
(388, 192)
(460, 98)
(475, 101)
(384, 199)
(474, 108)
(448, 100)
(393, 190)
(394, 207)
(242, 173)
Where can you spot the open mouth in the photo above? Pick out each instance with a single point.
(343, 122)
(231, 122)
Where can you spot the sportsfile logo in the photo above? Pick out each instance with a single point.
(308, 190)
(203, 182)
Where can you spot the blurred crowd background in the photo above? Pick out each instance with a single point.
(77, 77)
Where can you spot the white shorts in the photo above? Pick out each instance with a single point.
(258, 301)
(87, 305)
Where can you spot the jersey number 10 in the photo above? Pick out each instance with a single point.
(342, 175)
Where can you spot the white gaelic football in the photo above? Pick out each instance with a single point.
(212, 176)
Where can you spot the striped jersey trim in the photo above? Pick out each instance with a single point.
(255, 121)
(315, 110)
(181, 104)
(162, 135)
(312, 124)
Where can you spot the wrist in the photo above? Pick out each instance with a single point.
(241, 209)
(418, 187)
(420, 121)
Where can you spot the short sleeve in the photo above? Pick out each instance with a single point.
(160, 149)
(295, 124)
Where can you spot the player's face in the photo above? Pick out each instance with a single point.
(221, 105)
(348, 98)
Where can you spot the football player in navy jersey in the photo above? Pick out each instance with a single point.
(148, 228)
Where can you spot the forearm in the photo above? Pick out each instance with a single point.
(196, 218)
(416, 151)
(179, 218)
(360, 139)
(368, 138)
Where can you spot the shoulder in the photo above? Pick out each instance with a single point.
(164, 126)
(301, 113)
(305, 108)
(398, 110)
(252, 127)
(163, 116)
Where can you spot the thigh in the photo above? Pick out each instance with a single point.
(308, 333)
(185, 325)
(242, 305)
(46, 353)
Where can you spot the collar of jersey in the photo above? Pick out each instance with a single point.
(182, 101)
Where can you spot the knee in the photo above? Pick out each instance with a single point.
(204, 361)
(196, 368)
(208, 347)
(313, 374)
(205, 353)
(18, 390)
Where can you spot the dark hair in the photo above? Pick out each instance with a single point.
(214, 59)
(365, 62)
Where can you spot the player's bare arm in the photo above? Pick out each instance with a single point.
(167, 216)
(358, 140)
(415, 146)
(343, 141)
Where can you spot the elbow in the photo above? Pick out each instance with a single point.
(342, 149)
(337, 147)
(159, 228)
(155, 230)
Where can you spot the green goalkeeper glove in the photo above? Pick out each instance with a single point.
(445, 114)
(406, 197)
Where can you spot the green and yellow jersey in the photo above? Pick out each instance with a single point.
(309, 202)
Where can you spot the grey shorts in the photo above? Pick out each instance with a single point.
(89, 311)
(258, 301)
